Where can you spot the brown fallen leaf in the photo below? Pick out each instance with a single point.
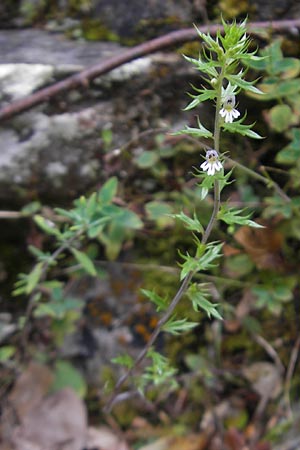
(29, 389)
(58, 422)
(264, 378)
(234, 440)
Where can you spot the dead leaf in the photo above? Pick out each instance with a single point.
(29, 389)
(263, 245)
(234, 440)
(264, 378)
(58, 422)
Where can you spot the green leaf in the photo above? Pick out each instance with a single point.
(291, 153)
(147, 159)
(34, 277)
(128, 219)
(205, 94)
(58, 309)
(85, 261)
(46, 225)
(277, 89)
(124, 360)
(233, 216)
(204, 260)
(178, 326)
(238, 127)
(108, 191)
(106, 135)
(190, 224)
(67, 376)
(203, 66)
(288, 67)
(281, 117)
(160, 302)
(198, 294)
(97, 226)
(201, 131)
(6, 352)
(31, 208)
(246, 85)
(160, 212)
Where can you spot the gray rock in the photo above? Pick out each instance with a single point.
(56, 149)
(18, 80)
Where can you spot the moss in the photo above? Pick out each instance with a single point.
(190, 49)
(149, 28)
(95, 30)
(234, 8)
(32, 11)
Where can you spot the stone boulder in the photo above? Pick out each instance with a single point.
(56, 150)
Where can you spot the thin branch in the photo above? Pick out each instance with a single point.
(175, 37)
(31, 301)
(12, 215)
(115, 397)
(270, 351)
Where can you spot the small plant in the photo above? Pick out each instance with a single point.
(222, 65)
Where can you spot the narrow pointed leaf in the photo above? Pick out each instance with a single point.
(84, 260)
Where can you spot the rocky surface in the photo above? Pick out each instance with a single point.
(56, 149)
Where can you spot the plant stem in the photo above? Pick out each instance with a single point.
(114, 398)
(184, 285)
(213, 218)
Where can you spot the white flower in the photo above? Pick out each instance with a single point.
(212, 163)
(228, 111)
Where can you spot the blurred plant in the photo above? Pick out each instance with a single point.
(281, 83)
(94, 217)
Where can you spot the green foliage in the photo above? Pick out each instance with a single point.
(178, 326)
(281, 83)
(199, 294)
(65, 375)
(58, 305)
(124, 360)
(233, 216)
(280, 117)
(158, 372)
(274, 293)
(85, 261)
(199, 132)
(7, 352)
(205, 258)
(240, 128)
(160, 303)
(147, 159)
(190, 224)
(291, 153)
(160, 212)
(28, 282)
